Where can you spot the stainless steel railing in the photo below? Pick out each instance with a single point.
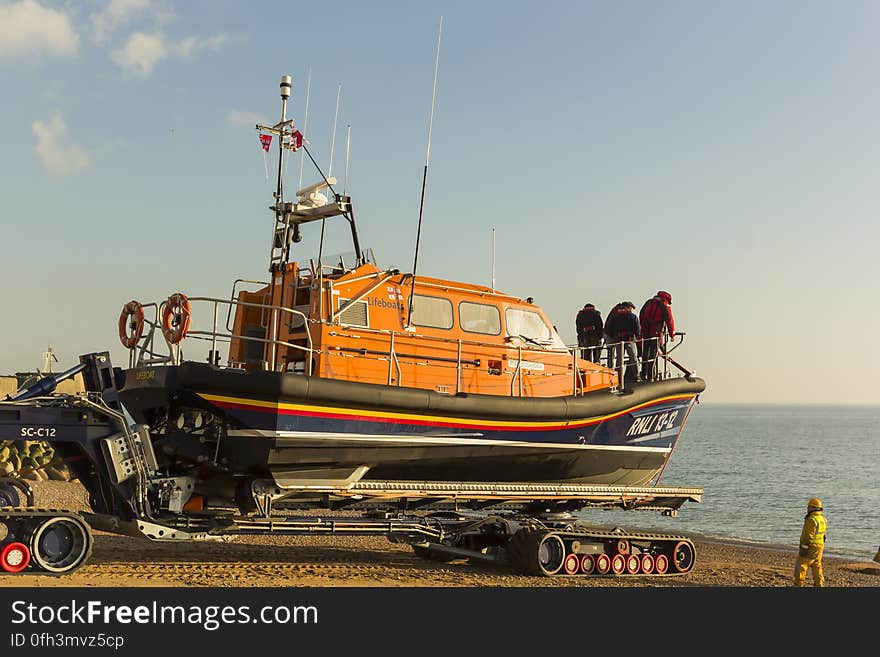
(611, 355)
(145, 352)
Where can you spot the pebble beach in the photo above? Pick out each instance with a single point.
(326, 561)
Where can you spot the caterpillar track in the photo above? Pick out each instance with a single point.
(42, 541)
(550, 552)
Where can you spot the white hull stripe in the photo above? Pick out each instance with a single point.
(655, 436)
(416, 441)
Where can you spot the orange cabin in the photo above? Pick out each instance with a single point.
(356, 325)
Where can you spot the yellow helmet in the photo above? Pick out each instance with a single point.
(814, 503)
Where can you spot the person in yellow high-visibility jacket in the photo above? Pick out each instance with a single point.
(812, 545)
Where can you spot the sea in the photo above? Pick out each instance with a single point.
(758, 466)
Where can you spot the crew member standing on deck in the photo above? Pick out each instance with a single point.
(621, 331)
(589, 326)
(812, 545)
(656, 313)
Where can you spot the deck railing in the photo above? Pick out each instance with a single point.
(611, 355)
(145, 354)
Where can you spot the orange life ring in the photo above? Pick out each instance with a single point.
(175, 318)
(134, 310)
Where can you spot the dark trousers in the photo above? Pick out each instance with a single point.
(649, 357)
(631, 361)
(593, 349)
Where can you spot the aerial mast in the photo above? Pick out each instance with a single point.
(279, 192)
(281, 233)
(493, 258)
(424, 178)
(310, 205)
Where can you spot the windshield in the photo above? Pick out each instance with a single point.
(530, 327)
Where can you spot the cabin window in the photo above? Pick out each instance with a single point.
(527, 324)
(433, 312)
(355, 314)
(479, 318)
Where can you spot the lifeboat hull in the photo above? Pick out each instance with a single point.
(278, 425)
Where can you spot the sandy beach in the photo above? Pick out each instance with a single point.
(370, 561)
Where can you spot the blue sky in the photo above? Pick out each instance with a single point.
(727, 153)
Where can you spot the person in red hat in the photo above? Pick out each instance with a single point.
(654, 317)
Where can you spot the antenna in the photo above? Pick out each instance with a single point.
(333, 136)
(493, 258)
(347, 145)
(330, 172)
(302, 156)
(424, 177)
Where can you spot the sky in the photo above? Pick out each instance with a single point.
(725, 152)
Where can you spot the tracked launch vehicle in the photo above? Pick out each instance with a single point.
(527, 526)
(444, 414)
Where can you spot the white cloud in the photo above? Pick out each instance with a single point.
(117, 13)
(235, 117)
(58, 155)
(140, 53)
(190, 45)
(27, 27)
(143, 51)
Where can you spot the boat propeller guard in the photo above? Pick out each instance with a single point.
(175, 318)
(132, 317)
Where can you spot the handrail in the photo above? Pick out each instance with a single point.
(232, 296)
(274, 341)
(574, 350)
(147, 347)
(487, 293)
(454, 341)
(458, 370)
(360, 295)
(214, 335)
(661, 355)
(392, 360)
(517, 380)
(391, 351)
(517, 375)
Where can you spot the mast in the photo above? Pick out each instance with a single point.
(280, 249)
(493, 258)
(310, 205)
(279, 193)
(424, 179)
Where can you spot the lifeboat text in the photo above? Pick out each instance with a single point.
(652, 423)
(381, 303)
(38, 432)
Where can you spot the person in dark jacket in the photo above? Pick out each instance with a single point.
(589, 332)
(654, 317)
(622, 330)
